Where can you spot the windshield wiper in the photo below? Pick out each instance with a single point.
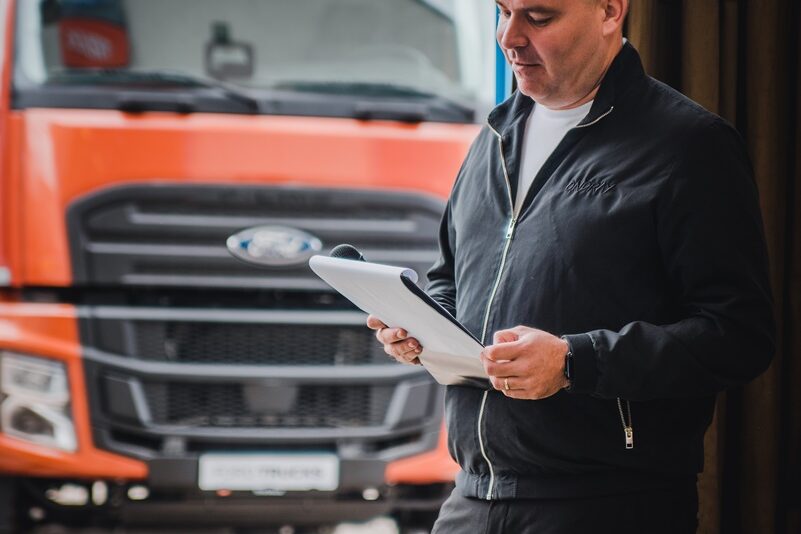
(137, 79)
(385, 100)
(377, 89)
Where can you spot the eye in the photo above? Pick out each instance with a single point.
(541, 22)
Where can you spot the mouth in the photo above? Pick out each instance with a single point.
(525, 66)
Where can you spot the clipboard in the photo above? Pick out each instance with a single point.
(451, 354)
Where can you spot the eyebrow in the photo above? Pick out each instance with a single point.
(540, 10)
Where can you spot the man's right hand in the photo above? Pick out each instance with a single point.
(396, 341)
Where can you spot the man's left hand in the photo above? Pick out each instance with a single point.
(526, 363)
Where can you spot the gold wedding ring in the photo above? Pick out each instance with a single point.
(506, 384)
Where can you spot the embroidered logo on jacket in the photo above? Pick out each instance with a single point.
(590, 186)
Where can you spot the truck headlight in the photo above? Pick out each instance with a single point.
(35, 404)
(37, 378)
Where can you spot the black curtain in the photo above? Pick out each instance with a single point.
(740, 59)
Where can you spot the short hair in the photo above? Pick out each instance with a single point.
(627, 7)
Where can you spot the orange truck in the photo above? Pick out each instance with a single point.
(146, 375)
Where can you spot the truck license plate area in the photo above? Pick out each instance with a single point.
(285, 472)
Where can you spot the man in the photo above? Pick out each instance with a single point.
(606, 229)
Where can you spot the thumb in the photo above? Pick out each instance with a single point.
(375, 323)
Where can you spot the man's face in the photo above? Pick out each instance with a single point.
(557, 48)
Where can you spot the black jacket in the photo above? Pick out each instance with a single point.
(641, 240)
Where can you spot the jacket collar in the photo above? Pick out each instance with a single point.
(625, 69)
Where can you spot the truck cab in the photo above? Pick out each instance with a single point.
(146, 375)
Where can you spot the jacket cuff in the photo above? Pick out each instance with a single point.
(585, 370)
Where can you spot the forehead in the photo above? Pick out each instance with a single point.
(541, 5)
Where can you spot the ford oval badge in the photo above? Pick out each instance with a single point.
(274, 246)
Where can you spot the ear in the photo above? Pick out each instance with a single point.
(614, 15)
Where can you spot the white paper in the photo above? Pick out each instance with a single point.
(449, 354)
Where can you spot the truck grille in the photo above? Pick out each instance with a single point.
(158, 234)
(258, 344)
(246, 376)
(245, 344)
(184, 342)
(233, 405)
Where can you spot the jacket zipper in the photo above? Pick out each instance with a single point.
(513, 220)
(510, 229)
(596, 120)
(628, 424)
(508, 239)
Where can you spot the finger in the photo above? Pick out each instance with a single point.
(521, 330)
(374, 323)
(410, 358)
(502, 368)
(414, 361)
(399, 348)
(502, 351)
(497, 383)
(505, 383)
(404, 351)
(390, 335)
(505, 336)
(407, 346)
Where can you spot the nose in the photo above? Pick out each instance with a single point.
(510, 33)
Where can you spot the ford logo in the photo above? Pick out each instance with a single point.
(275, 246)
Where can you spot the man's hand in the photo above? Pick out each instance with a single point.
(396, 341)
(526, 363)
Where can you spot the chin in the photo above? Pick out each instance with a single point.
(536, 93)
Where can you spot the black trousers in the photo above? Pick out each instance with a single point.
(672, 511)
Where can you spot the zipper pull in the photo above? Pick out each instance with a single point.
(629, 437)
(511, 229)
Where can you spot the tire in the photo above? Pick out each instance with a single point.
(417, 522)
(9, 523)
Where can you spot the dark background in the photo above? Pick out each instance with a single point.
(740, 59)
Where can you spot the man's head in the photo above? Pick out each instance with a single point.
(560, 49)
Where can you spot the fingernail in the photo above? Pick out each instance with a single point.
(418, 351)
(401, 334)
(411, 344)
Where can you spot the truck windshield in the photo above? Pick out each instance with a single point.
(373, 48)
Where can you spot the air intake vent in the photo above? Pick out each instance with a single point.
(233, 343)
(234, 405)
(174, 236)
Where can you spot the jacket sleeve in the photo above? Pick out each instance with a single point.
(441, 282)
(713, 248)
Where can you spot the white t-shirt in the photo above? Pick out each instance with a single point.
(544, 129)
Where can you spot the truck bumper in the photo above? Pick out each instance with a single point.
(127, 504)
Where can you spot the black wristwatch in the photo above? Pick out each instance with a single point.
(568, 364)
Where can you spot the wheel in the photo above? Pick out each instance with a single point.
(416, 522)
(9, 523)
